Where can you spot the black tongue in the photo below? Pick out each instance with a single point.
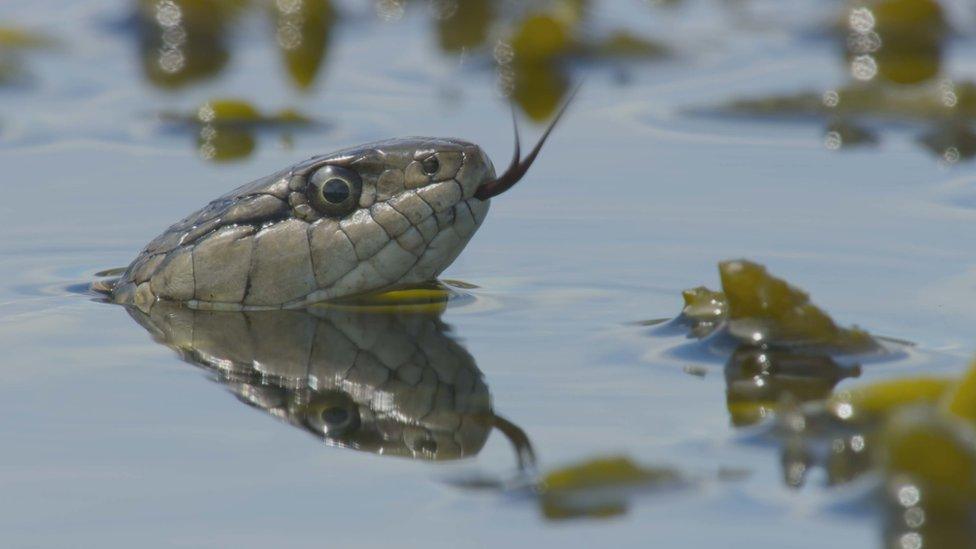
(518, 167)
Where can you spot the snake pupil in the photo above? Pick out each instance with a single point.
(430, 165)
(335, 191)
(335, 416)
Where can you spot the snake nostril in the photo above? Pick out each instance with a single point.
(430, 165)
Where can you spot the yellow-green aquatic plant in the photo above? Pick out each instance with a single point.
(226, 127)
(599, 487)
(302, 31)
(467, 26)
(878, 400)
(16, 38)
(766, 309)
(899, 40)
(184, 41)
(761, 309)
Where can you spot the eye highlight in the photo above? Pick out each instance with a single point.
(334, 190)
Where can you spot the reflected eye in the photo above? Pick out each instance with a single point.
(333, 414)
(336, 419)
(430, 165)
(334, 190)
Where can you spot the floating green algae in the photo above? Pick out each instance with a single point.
(14, 42)
(927, 452)
(925, 444)
(704, 309)
(599, 487)
(302, 32)
(540, 38)
(226, 127)
(880, 399)
(893, 50)
(766, 309)
(844, 134)
(230, 111)
(16, 38)
(533, 63)
(950, 141)
(760, 309)
(918, 434)
(704, 304)
(897, 41)
(960, 400)
(952, 101)
(467, 26)
(183, 42)
(544, 37)
(625, 44)
(538, 89)
(603, 472)
(784, 343)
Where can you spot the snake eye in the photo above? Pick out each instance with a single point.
(336, 417)
(333, 414)
(430, 165)
(336, 420)
(334, 190)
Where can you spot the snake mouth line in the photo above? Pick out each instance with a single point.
(519, 166)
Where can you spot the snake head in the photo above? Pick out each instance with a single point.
(360, 220)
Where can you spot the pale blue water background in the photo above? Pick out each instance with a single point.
(110, 441)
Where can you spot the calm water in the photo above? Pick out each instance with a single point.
(110, 440)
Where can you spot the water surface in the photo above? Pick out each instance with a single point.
(111, 440)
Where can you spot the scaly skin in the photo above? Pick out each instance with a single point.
(390, 384)
(267, 245)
